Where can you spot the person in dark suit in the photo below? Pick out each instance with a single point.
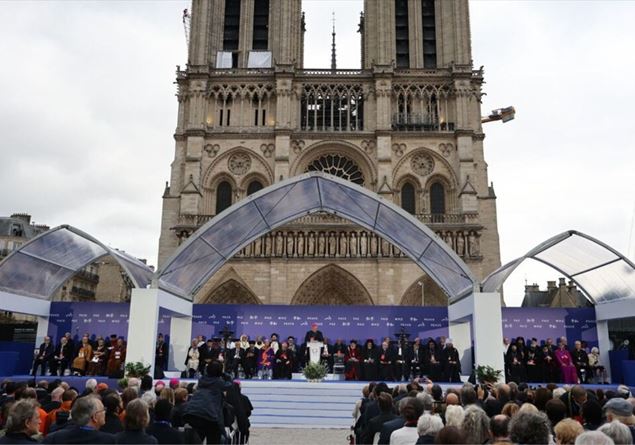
(385, 358)
(161, 428)
(414, 359)
(160, 358)
(88, 416)
(112, 403)
(23, 422)
(375, 424)
(314, 334)
(136, 420)
(44, 356)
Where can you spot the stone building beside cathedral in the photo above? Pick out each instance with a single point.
(407, 125)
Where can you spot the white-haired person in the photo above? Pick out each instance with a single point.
(427, 427)
(598, 371)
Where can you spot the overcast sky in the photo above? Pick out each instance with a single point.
(87, 114)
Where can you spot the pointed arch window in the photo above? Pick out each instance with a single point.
(437, 199)
(408, 198)
(253, 187)
(223, 196)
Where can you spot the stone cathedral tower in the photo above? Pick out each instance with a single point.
(407, 125)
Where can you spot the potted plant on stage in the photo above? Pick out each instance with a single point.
(134, 369)
(487, 374)
(315, 372)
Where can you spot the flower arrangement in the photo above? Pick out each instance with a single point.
(315, 372)
(487, 374)
(137, 369)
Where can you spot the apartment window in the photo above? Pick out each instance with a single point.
(429, 34)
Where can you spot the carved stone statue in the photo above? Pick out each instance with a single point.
(460, 244)
(300, 244)
(258, 246)
(343, 244)
(321, 245)
(352, 245)
(268, 240)
(363, 244)
(373, 244)
(279, 244)
(332, 244)
(290, 244)
(473, 245)
(310, 251)
(449, 240)
(385, 248)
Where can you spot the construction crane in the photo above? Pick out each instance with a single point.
(187, 20)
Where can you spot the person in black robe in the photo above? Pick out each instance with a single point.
(432, 361)
(401, 369)
(414, 359)
(369, 361)
(234, 357)
(206, 355)
(293, 347)
(160, 358)
(534, 363)
(516, 363)
(551, 370)
(326, 356)
(250, 360)
(283, 363)
(44, 356)
(386, 360)
(581, 362)
(451, 362)
(314, 334)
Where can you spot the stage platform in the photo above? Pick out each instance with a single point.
(289, 403)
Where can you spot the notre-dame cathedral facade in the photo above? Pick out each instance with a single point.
(407, 125)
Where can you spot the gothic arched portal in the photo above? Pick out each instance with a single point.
(332, 285)
(432, 293)
(231, 292)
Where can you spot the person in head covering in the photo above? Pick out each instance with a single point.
(352, 361)
(314, 334)
(451, 362)
(432, 361)
(369, 360)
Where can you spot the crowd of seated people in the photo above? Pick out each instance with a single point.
(271, 358)
(88, 356)
(212, 410)
(535, 361)
(416, 413)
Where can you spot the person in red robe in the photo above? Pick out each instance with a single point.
(351, 360)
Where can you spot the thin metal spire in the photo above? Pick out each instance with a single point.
(333, 56)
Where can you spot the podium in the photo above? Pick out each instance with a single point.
(315, 351)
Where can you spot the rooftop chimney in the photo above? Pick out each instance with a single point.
(22, 216)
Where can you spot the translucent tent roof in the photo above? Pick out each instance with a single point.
(39, 267)
(217, 241)
(601, 272)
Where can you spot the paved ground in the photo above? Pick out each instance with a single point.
(304, 436)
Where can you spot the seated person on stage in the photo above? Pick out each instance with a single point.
(565, 362)
(44, 356)
(535, 372)
(283, 366)
(386, 360)
(551, 370)
(61, 358)
(326, 356)
(234, 357)
(352, 361)
(84, 355)
(265, 361)
(97, 365)
(516, 363)
(207, 353)
(314, 334)
(581, 362)
(598, 371)
(369, 361)
(192, 359)
(250, 360)
(414, 359)
(432, 361)
(451, 362)
(116, 359)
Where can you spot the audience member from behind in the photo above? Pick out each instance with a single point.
(427, 427)
(618, 432)
(88, 415)
(204, 411)
(407, 435)
(591, 415)
(135, 422)
(567, 430)
(449, 435)
(374, 425)
(475, 425)
(23, 422)
(621, 410)
(529, 428)
(161, 428)
(593, 438)
(454, 415)
(114, 406)
(499, 429)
